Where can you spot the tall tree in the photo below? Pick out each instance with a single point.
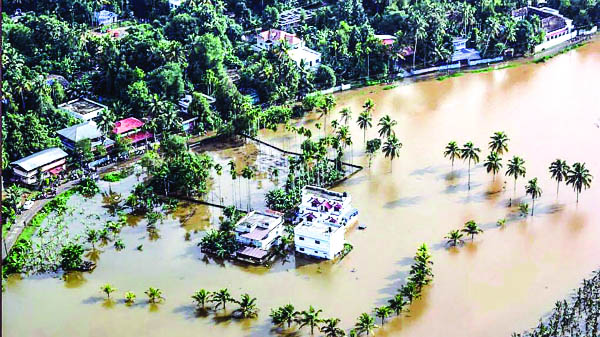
(452, 151)
(471, 153)
(383, 312)
(559, 170)
(386, 124)
(364, 122)
(220, 298)
(534, 190)
(330, 328)
(579, 176)
(499, 142)
(346, 115)
(391, 149)
(471, 228)
(397, 303)
(493, 163)
(516, 169)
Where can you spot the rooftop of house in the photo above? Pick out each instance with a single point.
(104, 14)
(552, 20)
(323, 193)
(40, 159)
(50, 79)
(256, 253)
(277, 35)
(82, 106)
(303, 54)
(259, 220)
(127, 124)
(316, 227)
(386, 39)
(75, 133)
(294, 15)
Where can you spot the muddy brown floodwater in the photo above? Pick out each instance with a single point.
(502, 282)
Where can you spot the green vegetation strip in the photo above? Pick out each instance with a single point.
(390, 86)
(117, 175)
(488, 69)
(58, 204)
(458, 74)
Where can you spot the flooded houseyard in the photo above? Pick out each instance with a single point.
(502, 282)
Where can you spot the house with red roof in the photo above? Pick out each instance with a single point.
(131, 128)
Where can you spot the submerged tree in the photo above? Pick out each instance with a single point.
(560, 171)
(499, 143)
(452, 151)
(493, 163)
(516, 169)
(391, 149)
(472, 228)
(330, 328)
(454, 237)
(534, 190)
(108, 289)
(309, 317)
(470, 152)
(579, 177)
(365, 324)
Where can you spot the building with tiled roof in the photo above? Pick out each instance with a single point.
(258, 232)
(49, 162)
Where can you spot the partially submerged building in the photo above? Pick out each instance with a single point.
(323, 217)
(258, 232)
(41, 164)
(557, 28)
(83, 108)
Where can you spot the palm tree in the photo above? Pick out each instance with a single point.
(579, 177)
(452, 151)
(364, 122)
(247, 306)
(471, 228)
(328, 105)
(233, 174)
(219, 172)
(559, 170)
(129, 297)
(383, 312)
(386, 124)
(309, 317)
(516, 168)
(154, 295)
(454, 237)
(368, 106)
(221, 298)
(248, 174)
(391, 149)
(534, 190)
(108, 289)
(493, 163)
(470, 152)
(106, 121)
(200, 297)
(397, 303)
(330, 328)
(499, 142)
(365, 324)
(346, 115)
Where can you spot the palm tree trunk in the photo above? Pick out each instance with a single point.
(532, 205)
(469, 184)
(415, 52)
(557, 186)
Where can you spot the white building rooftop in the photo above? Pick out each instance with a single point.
(40, 159)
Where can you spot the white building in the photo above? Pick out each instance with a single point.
(296, 49)
(557, 28)
(49, 162)
(323, 217)
(105, 17)
(258, 232)
(174, 4)
(83, 108)
(87, 130)
(461, 52)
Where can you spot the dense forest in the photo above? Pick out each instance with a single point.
(201, 46)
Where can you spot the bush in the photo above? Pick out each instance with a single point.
(88, 187)
(70, 256)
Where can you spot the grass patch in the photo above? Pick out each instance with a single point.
(58, 204)
(444, 77)
(116, 176)
(488, 69)
(390, 86)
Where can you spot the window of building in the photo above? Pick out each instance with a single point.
(301, 249)
(316, 252)
(301, 238)
(317, 241)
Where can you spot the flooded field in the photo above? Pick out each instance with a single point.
(502, 282)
